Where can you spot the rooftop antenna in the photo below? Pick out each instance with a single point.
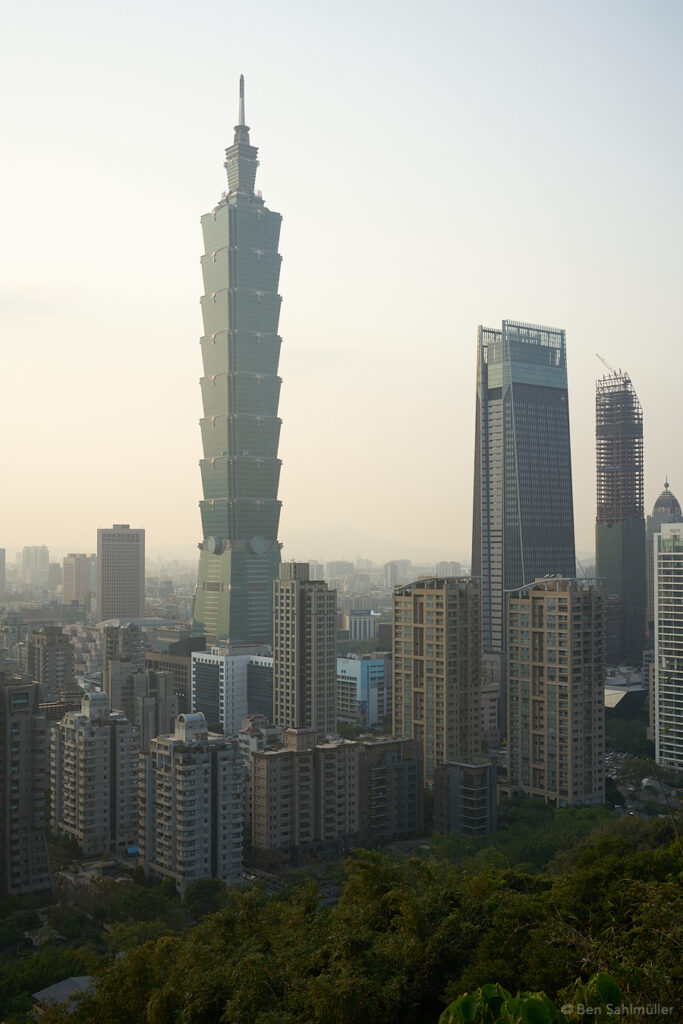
(240, 118)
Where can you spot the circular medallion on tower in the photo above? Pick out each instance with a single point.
(258, 545)
(213, 545)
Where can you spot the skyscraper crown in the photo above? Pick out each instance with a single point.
(240, 158)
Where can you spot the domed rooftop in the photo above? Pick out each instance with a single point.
(667, 507)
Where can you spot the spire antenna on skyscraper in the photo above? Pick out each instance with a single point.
(240, 119)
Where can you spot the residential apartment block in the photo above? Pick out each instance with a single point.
(94, 774)
(317, 799)
(304, 652)
(556, 678)
(24, 863)
(192, 805)
(50, 661)
(147, 698)
(437, 668)
(667, 710)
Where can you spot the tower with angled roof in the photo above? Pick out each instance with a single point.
(523, 522)
(240, 511)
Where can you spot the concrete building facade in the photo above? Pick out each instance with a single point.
(219, 687)
(364, 690)
(466, 797)
(556, 680)
(24, 862)
(666, 509)
(146, 698)
(320, 799)
(667, 710)
(50, 662)
(192, 805)
(79, 579)
(304, 652)
(120, 573)
(437, 668)
(94, 778)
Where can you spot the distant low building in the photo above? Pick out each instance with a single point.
(362, 624)
(364, 690)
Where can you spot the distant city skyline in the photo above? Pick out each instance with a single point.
(541, 194)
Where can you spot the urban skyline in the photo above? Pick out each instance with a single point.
(350, 332)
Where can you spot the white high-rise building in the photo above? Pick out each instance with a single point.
(192, 805)
(667, 715)
(219, 687)
(120, 573)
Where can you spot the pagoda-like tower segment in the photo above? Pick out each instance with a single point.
(240, 511)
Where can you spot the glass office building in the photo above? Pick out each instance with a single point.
(523, 523)
(240, 511)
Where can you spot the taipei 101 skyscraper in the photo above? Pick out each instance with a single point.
(240, 511)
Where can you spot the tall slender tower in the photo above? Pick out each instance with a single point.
(240, 553)
(620, 519)
(304, 652)
(523, 523)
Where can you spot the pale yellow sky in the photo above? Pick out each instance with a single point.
(437, 167)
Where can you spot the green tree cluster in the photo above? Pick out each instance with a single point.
(406, 938)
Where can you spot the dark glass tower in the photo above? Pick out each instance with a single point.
(240, 511)
(620, 519)
(523, 524)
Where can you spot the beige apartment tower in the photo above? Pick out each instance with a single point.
(79, 579)
(304, 652)
(120, 573)
(305, 796)
(556, 675)
(437, 668)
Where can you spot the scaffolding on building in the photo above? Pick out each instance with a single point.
(619, 449)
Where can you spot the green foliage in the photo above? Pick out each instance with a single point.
(205, 896)
(530, 836)
(493, 1004)
(629, 736)
(409, 937)
(31, 972)
(130, 934)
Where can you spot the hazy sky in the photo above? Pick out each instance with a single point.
(438, 165)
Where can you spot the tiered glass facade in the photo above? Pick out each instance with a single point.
(240, 553)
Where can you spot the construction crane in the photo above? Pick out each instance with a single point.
(605, 363)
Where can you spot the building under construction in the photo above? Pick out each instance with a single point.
(620, 520)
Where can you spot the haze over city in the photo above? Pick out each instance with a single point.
(437, 168)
